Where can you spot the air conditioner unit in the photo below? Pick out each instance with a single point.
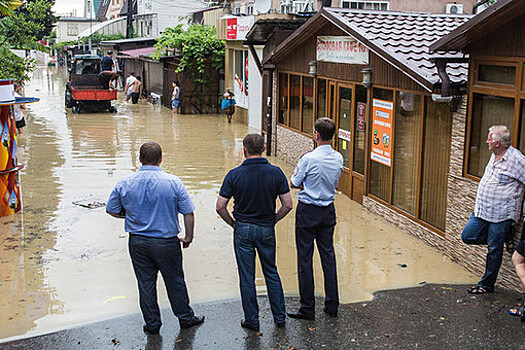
(454, 8)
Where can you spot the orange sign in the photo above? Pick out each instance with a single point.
(382, 131)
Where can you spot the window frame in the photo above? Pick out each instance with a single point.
(389, 203)
(516, 91)
(301, 75)
(364, 2)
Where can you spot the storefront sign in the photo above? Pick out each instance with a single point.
(345, 135)
(382, 131)
(341, 49)
(238, 27)
(361, 110)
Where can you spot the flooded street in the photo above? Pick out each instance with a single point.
(62, 264)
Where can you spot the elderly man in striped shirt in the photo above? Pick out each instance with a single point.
(498, 204)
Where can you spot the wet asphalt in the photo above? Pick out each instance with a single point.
(425, 317)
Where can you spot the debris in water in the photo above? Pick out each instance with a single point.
(447, 288)
(402, 265)
(90, 205)
(114, 298)
(115, 341)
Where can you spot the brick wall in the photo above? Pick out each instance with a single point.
(291, 145)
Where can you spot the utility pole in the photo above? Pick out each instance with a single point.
(129, 26)
(90, 25)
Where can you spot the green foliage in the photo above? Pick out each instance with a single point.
(7, 6)
(197, 47)
(21, 30)
(46, 18)
(14, 67)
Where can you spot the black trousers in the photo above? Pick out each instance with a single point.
(149, 256)
(135, 97)
(314, 223)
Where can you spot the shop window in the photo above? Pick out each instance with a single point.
(497, 74)
(407, 143)
(486, 111)
(435, 163)
(283, 98)
(379, 172)
(360, 129)
(321, 98)
(295, 101)
(240, 83)
(308, 106)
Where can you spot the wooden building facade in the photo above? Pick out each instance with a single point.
(495, 43)
(399, 161)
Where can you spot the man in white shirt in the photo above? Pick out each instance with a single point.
(317, 175)
(498, 204)
(128, 88)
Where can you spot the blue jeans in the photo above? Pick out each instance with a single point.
(247, 239)
(149, 256)
(479, 231)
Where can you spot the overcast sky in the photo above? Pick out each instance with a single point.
(67, 6)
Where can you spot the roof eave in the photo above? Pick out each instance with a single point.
(383, 54)
(459, 38)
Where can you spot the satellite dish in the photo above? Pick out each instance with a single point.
(263, 6)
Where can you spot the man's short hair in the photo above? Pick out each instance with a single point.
(132, 73)
(110, 52)
(325, 127)
(500, 133)
(254, 144)
(150, 153)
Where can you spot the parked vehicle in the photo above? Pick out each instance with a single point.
(84, 90)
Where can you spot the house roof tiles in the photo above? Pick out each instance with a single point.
(401, 38)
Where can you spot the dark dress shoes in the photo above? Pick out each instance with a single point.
(330, 313)
(150, 331)
(196, 320)
(280, 324)
(300, 316)
(249, 326)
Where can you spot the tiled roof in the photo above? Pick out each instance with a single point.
(406, 38)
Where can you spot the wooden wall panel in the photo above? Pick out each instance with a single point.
(507, 40)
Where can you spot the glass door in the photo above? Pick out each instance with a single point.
(344, 135)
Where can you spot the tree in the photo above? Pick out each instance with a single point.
(48, 20)
(21, 31)
(198, 49)
(7, 7)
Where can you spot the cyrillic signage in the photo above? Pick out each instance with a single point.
(341, 49)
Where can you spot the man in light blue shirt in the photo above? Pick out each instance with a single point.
(150, 201)
(317, 175)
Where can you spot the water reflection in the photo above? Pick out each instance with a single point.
(63, 264)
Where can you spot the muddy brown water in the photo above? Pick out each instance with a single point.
(63, 264)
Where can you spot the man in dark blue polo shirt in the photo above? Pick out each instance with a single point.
(255, 186)
(107, 62)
